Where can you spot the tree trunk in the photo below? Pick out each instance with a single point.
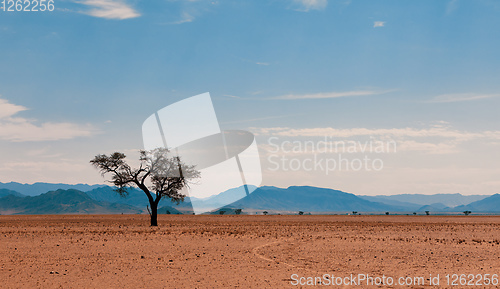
(154, 214)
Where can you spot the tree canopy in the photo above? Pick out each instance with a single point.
(160, 175)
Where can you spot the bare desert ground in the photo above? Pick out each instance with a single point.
(122, 251)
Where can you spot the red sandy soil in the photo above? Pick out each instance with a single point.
(122, 251)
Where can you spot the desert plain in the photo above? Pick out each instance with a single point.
(245, 251)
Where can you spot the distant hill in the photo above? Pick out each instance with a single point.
(40, 188)
(404, 206)
(227, 211)
(61, 202)
(308, 199)
(5, 192)
(103, 199)
(490, 204)
(108, 194)
(170, 210)
(449, 200)
(222, 199)
(437, 207)
(135, 198)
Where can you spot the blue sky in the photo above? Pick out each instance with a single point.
(80, 81)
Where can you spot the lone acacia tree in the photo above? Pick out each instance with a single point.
(158, 176)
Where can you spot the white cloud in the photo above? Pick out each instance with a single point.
(8, 109)
(307, 5)
(110, 9)
(262, 63)
(19, 129)
(378, 24)
(331, 94)
(457, 97)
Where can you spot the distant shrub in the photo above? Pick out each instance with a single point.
(301, 213)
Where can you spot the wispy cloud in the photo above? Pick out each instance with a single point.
(379, 24)
(185, 18)
(307, 5)
(110, 9)
(332, 94)
(45, 171)
(190, 10)
(19, 129)
(232, 96)
(451, 6)
(253, 61)
(408, 132)
(260, 118)
(458, 97)
(5, 29)
(436, 139)
(429, 147)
